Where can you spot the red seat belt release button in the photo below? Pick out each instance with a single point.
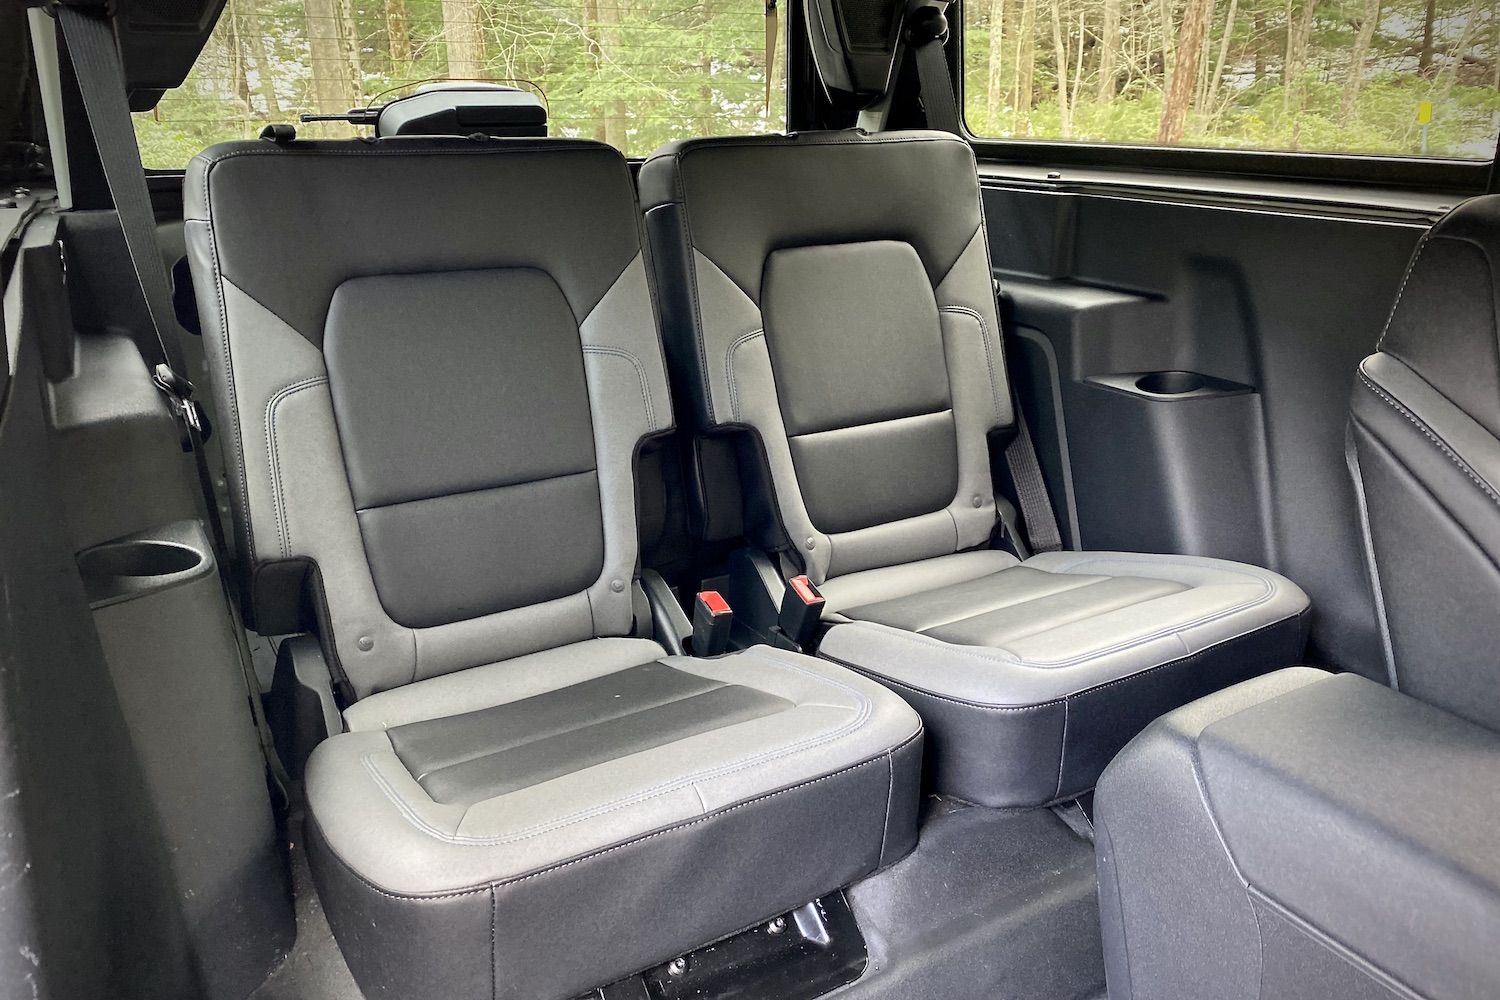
(712, 620)
(801, 610)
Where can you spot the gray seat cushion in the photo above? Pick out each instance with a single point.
(647, 804)
(1030, 676)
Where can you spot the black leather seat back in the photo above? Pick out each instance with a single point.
(435, 360)
(1425, 447)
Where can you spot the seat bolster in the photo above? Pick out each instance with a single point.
(821, 790)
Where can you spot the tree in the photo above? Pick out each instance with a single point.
(1184, 72)
(1369, 18)
(1025, 64)
(995, 82)
(465, 38)
(335, 83)
(398, 32)
(1109, 51)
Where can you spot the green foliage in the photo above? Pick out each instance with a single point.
(1254, 107)
(636, 72)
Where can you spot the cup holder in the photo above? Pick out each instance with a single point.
(139, 559)
(130, 567)
(1172, 383)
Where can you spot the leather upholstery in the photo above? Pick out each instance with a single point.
(566, 812)
(431, 406)
(831, 295)
(1030, 676)
(1302, 835)
(856, 336)
(1425, 436)
(289, 259)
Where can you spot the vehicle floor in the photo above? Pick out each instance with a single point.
(992, 903)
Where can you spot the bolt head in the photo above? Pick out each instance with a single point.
(366, 643)
(677, 967)
(777, 926)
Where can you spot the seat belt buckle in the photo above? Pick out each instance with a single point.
(801, 610)
(180, 391)
(712, 621)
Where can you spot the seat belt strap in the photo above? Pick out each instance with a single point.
(927, 33)
(101, 81)
(1031, 489)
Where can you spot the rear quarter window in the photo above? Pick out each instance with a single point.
(632, 73)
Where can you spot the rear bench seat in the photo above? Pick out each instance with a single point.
(829, 296)
(435, 360)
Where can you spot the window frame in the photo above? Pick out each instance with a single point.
(1439, 175)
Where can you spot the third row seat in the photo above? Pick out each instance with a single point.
(828, 297)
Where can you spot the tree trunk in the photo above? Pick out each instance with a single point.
(995, 84)
(254, 37)
(398, 33)
(1025, 64)
(1060, 60)
(1109, 51)
(334, 85)
(1424, 61)
(1184, 72)
(465, 38)
(610, 12)
(1200, 73)
(1258, 34)
(349, 46)
(1297, 39)
(1369, 18)
(1213, 87)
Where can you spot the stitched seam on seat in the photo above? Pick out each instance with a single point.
(242, 473)
(514, 880)
(1090, 559)
(729, 376)
(470, 491)
(1020, 631)
(1080, 585)
(862, 716)
(1415, 260)
(640, 372)
(1432, 436)
(1006, 656)
(984, 336)
(273, 453)
(1062, 750)
(494, 930)
(883, 679)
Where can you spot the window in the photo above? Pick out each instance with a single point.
(633, 73)
(1395, 77)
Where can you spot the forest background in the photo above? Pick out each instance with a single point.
(1362, 76)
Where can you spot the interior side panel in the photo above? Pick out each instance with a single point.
(1187, 369)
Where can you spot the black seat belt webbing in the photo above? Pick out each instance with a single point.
(927, 32)
(1031, 489)
(101, 81)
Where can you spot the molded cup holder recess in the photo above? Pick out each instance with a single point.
(138, 564)
(143, 558)
(1171, 383)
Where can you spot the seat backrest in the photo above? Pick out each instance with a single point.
(1425, 451)
(433, 361)
(831, 294)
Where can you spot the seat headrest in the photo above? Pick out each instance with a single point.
(464, 109)
(1443, 325)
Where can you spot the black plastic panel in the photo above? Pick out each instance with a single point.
(1274, 308)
